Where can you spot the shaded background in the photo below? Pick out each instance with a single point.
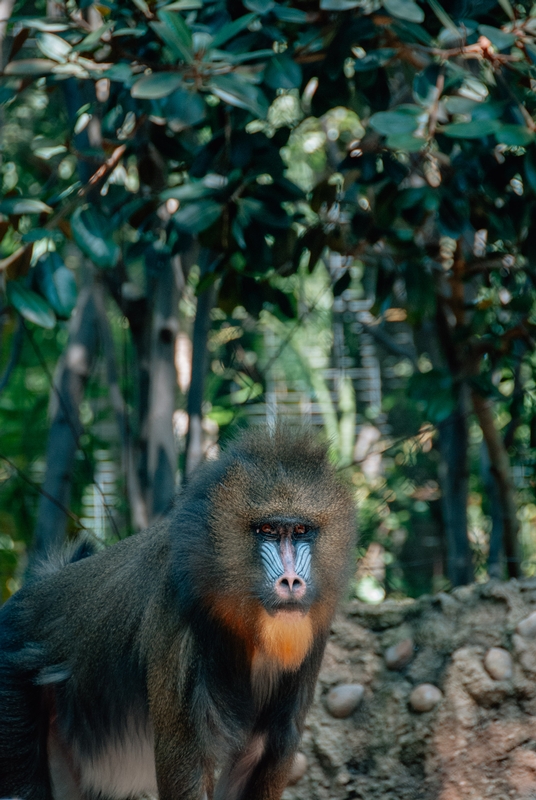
(220, 214)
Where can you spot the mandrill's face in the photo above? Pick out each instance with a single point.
(280, 526)
(285, 548)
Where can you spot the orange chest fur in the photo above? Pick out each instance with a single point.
(284, 638)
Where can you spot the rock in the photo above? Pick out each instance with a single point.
(498, 664)
(425, 697)
(344, 699)
(388, 614)
(331, 746)
(399, 654)
(299, 768)
(343, 777)
(527, 626)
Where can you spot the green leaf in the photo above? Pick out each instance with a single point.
(53, 46)
(121, 73)
(49, 152)
(197, 217)
(187, 191)
(391, 122)
(144, 8)
(37, 234)
(287, 14)
(444, 18)
(374, 59)
(93, 39)
(507, 8)
(232, 29)
(23, 205)
(259, 6)
(173, 30)
(529, 163)
(184, 108)
(453, 214)
(283, 73)
(459, 105)
(90, 232)
(412, 33)
(499, 38)
(30, 305)
(434, 390)
(339, 5)
(471, 130)
(531, 52)
(132, 33)
(44, 25)
(57, 284)
(183, 5)
(231, 89)
(492, 109)
(405, 141)
(156, 85)
(29, 67)
(425, 86)
(242, 58)
(514, 135)
(404, 9)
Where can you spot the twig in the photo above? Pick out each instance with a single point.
(14, 356)
(98, 177)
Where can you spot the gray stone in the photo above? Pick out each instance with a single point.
(299, 768)
(399, 654)
(527, 626)
(498, 664)
(425, 697)
(344, 699)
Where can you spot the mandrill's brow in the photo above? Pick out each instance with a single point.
(294, 526)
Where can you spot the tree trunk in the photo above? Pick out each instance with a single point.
(453, 478)
(137, 504)
(161, 450)
(194, 439)
(65, 429)
(496, 536)
(435, 339)
(501, 469)
(6, 9)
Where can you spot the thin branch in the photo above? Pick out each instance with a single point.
(44, 493)
(16, 349)
(381, 336)
(501, 468)
(96, 179)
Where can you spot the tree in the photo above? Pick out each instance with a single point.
(252, 138)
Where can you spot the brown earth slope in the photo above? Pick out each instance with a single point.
(478, 740)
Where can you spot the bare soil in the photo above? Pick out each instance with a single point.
(480, 739)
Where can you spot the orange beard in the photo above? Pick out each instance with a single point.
(285, 638)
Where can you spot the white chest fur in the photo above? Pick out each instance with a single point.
(123, 768)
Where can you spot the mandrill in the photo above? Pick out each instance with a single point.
(180, 663)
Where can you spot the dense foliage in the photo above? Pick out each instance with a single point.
(253, 138)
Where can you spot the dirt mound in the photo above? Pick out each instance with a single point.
(476, 645)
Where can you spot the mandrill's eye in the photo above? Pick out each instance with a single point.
(266, 529)
(299, 530)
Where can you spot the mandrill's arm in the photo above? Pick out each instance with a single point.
(181, 769)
